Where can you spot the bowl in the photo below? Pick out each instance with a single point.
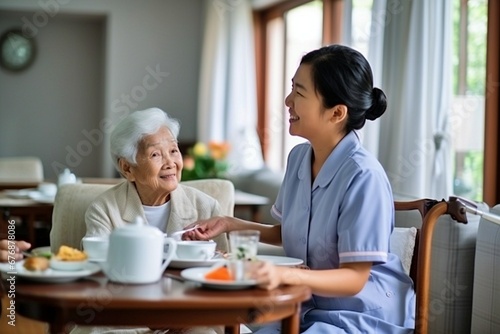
(195, 250)
(96, 247)
(57, 264)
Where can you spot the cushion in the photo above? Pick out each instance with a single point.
(402, 244)
(486, 292)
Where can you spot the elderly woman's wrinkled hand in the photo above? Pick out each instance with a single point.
(13, 249)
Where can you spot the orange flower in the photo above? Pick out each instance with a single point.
(218, 150)
(189, 162)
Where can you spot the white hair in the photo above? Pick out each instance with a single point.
(128, 133)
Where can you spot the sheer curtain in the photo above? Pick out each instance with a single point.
(227, 107)
(370, 133)
(411, 51)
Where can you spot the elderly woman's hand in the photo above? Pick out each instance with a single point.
(13, 249)
(207, 229)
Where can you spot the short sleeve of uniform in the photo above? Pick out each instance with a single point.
(366, 218)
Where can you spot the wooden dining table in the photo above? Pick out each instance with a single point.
(168, 303)
(28, 211)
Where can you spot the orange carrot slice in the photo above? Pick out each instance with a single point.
(221, 274)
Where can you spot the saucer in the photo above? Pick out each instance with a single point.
(21, 193)
(198, 275)
(50, 275)
(41, 198)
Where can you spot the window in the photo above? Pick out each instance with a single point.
(467, 125)
(294, 27)
(290, 36)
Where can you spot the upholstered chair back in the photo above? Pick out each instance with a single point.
(486, 292)
(21, 169)
(72, 200)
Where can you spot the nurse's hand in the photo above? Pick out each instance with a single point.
(207, 229)
(267, 275)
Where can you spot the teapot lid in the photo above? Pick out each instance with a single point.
(137, 228)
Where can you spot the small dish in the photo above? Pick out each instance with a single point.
(41, 198)
(197, 275)
(67, 265)
(21, 193)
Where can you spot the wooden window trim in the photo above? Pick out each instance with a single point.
(491, 183)
(332, 33)
(333, 13)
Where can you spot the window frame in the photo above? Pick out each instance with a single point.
(332, 32)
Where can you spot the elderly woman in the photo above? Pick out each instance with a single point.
(145, 152)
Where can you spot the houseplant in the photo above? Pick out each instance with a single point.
(206, 161)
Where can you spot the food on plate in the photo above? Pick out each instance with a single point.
(221, 274)
(36, 263)
(45, 254)
(67, 253)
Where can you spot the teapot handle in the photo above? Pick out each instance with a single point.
(167, 256)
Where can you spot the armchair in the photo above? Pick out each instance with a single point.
(21, 170)
(72, 200)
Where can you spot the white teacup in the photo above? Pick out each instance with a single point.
(96, 247)
(195, 250)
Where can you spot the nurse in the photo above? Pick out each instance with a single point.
(335, 206)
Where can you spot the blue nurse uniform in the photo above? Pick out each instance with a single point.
(345, 215)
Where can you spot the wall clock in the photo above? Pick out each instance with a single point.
(17, 51)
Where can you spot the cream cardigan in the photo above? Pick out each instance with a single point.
(121, 204)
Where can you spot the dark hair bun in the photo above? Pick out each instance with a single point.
(379, 105)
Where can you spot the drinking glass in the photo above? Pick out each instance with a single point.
(243, 246)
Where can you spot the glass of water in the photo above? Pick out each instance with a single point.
(243, 247)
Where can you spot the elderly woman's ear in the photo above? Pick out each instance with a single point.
(125, 169)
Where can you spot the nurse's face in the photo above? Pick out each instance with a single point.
(307, 117)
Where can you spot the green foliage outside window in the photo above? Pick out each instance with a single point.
(468, 181)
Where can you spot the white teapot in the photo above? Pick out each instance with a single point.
(66, 177)
(136, 253)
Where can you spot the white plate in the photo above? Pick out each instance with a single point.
(50, 275)
(41, 198)
(198, 275)
(19, 193)
(281, 260)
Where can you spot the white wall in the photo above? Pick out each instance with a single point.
(44, 110)
(139, 38)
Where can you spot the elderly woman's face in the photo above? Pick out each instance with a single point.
(158, 169)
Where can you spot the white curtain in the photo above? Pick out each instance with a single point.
(415, 66)
(227, 103)
(370, 134)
